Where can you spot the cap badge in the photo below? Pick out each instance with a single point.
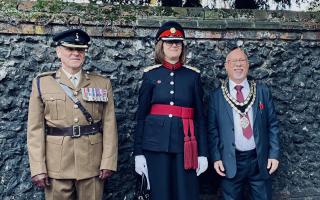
(77, 37)
(173, 30)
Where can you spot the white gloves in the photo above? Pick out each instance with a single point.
(202, 165)
(140, 164)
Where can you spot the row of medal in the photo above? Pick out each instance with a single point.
(94, 94)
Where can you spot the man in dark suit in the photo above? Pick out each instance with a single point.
(243, 132)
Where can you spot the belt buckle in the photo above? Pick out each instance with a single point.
(76, 131)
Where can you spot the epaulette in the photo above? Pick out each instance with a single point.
(38, 81)
(151, 68)
(95, 74)
(192, 68)
(45, 74)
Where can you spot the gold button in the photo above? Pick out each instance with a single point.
(171, 74)
(75, 106)
(171, 83)
(76, 120)
(75, 93)
(171, 103)
(171, 92)
(170, 115)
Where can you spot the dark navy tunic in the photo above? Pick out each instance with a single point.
(164, 133)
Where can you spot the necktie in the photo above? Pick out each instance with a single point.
(74, 81)
(245, 121)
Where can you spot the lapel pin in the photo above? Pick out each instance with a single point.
(261, 106)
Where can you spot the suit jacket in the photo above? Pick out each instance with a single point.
(181, 87)
(221, 136)
(63, 157)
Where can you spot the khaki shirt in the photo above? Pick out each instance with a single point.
(63, 157)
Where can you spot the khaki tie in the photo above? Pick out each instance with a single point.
(74, 80)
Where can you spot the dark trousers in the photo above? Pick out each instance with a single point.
(247, 173)
(168, 178)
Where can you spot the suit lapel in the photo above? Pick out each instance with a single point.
(84, 81)
(63, 79)
(227, 106)
(255, 105)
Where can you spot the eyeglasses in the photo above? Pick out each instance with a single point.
(171, 42)
(238, 60)
(81, 50)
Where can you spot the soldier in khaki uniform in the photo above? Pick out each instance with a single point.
(72, 144)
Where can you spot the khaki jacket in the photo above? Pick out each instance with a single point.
(63, 157)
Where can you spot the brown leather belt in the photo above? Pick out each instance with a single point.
(75, 131)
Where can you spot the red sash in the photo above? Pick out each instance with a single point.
(190, 142)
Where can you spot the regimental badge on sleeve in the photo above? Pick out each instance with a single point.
(94, 94)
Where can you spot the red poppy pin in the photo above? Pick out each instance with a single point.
(261, 106)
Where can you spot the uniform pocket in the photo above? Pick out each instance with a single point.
(55, 105)
(97, 110)
(96, 138)
(95, 148)
(54, 153)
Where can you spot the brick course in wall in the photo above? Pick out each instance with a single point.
(283, 49)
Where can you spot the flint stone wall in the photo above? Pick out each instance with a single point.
(283, 49)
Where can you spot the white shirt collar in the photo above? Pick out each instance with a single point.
(232, 84)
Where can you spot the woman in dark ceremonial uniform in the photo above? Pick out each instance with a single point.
(171, 139)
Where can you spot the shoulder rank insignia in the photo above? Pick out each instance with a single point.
(95, 74)
(151, 68)
(87, 74)
(94, 94)
(192, 68)
(46, 74)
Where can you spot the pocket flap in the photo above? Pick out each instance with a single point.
(54, 96)
(54, 139)
(96, 138)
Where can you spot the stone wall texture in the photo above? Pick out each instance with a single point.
(284, 53)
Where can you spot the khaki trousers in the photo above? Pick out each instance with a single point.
(71, 189)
